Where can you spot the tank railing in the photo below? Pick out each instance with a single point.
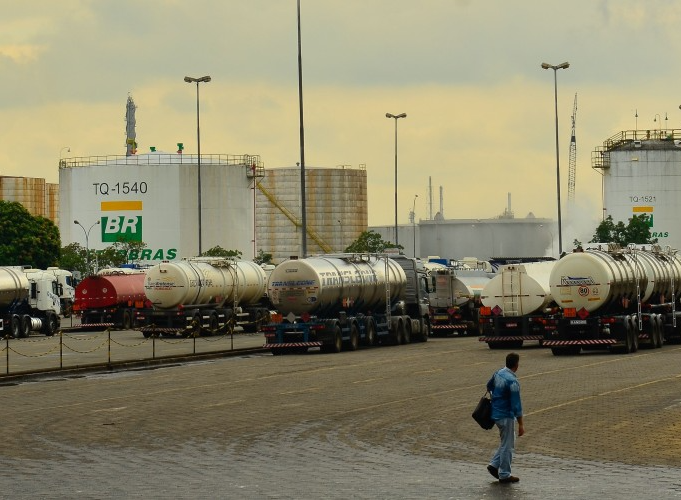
(165, 159)
(600, 157)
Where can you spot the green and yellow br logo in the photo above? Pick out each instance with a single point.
(126, 226)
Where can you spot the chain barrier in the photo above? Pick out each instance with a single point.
(69, 339)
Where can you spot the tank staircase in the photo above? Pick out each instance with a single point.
(326, 248)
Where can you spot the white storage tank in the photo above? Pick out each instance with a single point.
(519, 289)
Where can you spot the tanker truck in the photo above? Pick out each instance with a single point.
(455, 300)
(204, 295)
(615, 298)
(67, 290)
(347, 300)
(110, 298)
(516, 304)
(29, 301)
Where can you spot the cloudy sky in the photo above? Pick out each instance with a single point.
(480, 109)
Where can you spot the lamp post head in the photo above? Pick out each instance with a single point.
(564, 65)
(543, 65)
(401, 115)
(189, 79)
(76, 222)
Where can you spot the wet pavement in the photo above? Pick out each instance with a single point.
(385, 423)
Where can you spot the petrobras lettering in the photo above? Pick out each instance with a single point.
(576, 281)
(152, 254)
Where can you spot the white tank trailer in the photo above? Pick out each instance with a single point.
(204, 294)
(340, 300)
(29, 301)
(615, 298)
(514, 304)
(455, 300)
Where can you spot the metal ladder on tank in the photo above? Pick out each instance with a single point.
(326, 248)
(510, 297)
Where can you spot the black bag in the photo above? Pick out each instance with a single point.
(483, 412)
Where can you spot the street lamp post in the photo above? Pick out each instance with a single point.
(555, 69)
(205, 79)
(413, 221)
(396, 117)
(87, 241)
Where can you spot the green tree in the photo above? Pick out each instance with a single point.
(73, 259)
(27, 239)
(263, 258)
(636, 231)
(218, 251)
(370, 242)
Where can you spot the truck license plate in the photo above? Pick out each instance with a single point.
(578, 322)
(511, 325)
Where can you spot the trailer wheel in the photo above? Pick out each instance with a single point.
(353, 343)
(425, 329)
(337, 344)
(370, 332)
(395, 332)
(213, 323)
(16, 326)
(127, 320)
(658, 328)
(634, 333)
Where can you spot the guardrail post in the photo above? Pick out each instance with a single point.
(7, 349)
(109, 353)
(61, 349)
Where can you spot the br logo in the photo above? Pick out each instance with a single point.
(122, 228)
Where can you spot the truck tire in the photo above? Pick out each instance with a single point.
(127, 320)
(369, 332)
(336, 341)
(406, 335)
(634, 333)
(659, 328)
(25, 325)
(353, 343)
(213, 324)
(16, 326)
(51, 324)
(424, 324)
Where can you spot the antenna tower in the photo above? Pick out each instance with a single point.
(572, 172)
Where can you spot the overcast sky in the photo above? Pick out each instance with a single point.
(467, 73)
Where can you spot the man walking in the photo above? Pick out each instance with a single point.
(506, 409)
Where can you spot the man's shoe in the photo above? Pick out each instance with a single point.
(493, 470)
(509, 479)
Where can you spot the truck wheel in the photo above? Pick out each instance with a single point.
(51, 324)
(127, 320)
(25, 325)
(659, 328)
(337, 344)
(353, 343)
(634, 333)
(213, 324)
(406, 335)
(395, 334)
(424, 324)
(370, 332)
(16, 326)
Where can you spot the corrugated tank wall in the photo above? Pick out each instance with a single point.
(36, 195)
(337, 210)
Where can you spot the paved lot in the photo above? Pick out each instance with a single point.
(384, 423)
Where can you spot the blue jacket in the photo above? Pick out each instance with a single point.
(505, 391)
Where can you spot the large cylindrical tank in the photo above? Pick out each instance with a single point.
(200, 282)
(13, 285)
(317, 283)
(519, 289)
(95, 292)
(595, 279)
(468, 287)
